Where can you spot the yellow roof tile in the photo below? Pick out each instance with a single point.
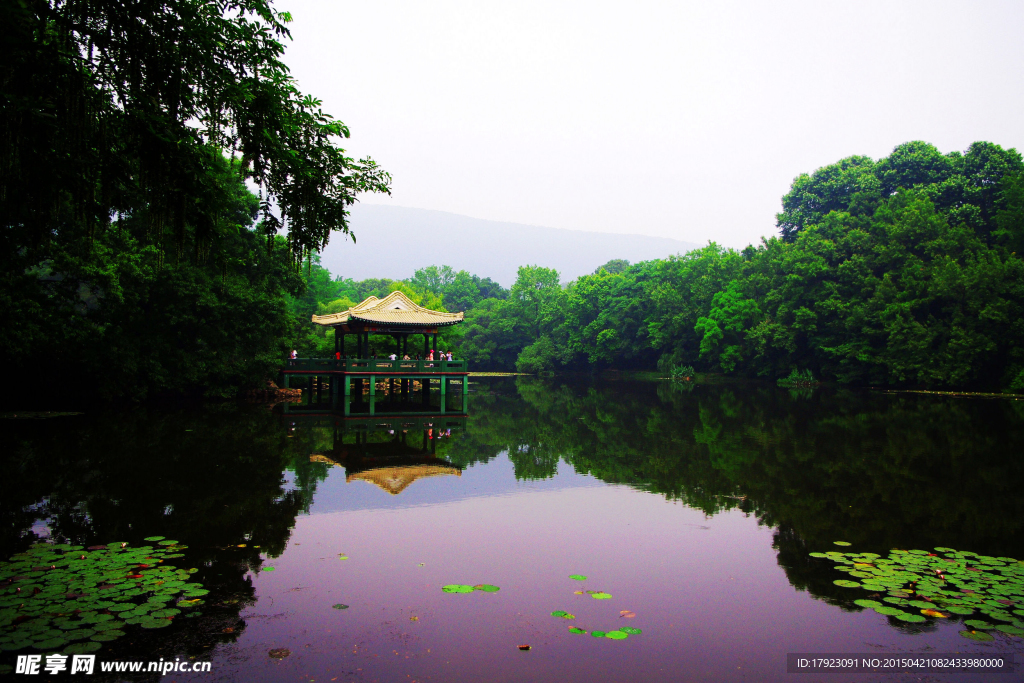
(394, 309)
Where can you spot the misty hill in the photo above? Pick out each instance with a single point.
(394, 241)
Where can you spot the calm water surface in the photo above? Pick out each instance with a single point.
(694, 507)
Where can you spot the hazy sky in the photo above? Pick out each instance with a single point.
(678, 119)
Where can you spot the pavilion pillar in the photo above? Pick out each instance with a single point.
(465, 393)
(426, 343)
(444, 381)
(287, 377)
(348, 394)
(373, 393)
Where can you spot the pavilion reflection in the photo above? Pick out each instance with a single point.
(391, 452)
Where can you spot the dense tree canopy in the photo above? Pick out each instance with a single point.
(901, 271)
(132, 258)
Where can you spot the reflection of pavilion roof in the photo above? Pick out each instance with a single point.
(394, 309)
(394, 478)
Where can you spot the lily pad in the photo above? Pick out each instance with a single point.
(1012, 630)
(867, 603)
(598, 634)
(957, 609)
(155, 623)
(889, 611)
(268, 569)
(52, 643)
(82, 648)
(574, 629)
(976, 635)
(340, 606)
(153, 539)
(558, 613)
(977, 624)
(846, 583)
(600, 596)
(630, 630)
(912, 618)
(457, 588)
(577, 577)
(486, 588)
(616, 635)
(842, 543)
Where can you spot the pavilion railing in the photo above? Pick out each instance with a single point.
(374, 365)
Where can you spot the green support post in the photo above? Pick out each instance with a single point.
(444, 381)
(465, 395)
(348, 394)
(286, 378)
(373, 393)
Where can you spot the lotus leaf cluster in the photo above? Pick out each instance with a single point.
(72, 598)
(617, 634)
(919, 585)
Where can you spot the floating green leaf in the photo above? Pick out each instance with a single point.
(976, 635)
(843, 543)
(486, 588)
(616, 635)
(630, 630)
(867, 603)
(846, 583)
(598, 634)
(268, 569)
(913, 618)
(958, 609)
(977, 623)
(153, 539)
(81, 648)
(558, 613)
(889, 611)
(574, 629)
(340, 606)
(577, 577)
(457, 588)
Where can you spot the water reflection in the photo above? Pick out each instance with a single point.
(881, 471)
(391, 453)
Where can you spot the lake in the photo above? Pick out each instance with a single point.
(634, 530)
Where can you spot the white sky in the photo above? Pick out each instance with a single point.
(679, 119)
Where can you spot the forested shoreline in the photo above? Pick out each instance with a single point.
(165, 190)
(904, 271)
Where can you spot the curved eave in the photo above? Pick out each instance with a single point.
(418, 323)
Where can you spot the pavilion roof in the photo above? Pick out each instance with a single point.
(394, 309)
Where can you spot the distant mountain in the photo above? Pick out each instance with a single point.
(394, 241)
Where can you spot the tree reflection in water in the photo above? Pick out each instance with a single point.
(879, 470)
